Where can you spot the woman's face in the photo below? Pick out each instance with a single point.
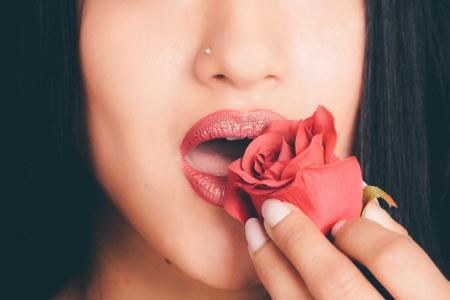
(148, 81)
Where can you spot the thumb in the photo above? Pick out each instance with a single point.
(374, 212)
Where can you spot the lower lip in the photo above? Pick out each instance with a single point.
(209, 187)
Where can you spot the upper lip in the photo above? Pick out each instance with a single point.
(228, 123)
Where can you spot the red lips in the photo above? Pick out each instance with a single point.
(221, 124)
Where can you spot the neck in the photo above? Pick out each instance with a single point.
(126, 267)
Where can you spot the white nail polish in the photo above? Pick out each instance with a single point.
(336, 227)
(273, 211)
(255, 234)
(374, 212)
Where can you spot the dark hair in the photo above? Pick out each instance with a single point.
(403, 134)
(49, 192)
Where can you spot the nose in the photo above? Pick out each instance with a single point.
(246, 41)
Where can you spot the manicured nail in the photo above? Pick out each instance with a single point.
(374, 212)
(273, 211)
(336, 227)
(255, 234)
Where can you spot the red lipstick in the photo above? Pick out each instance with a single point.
(227, 124)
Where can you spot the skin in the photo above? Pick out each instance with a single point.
(298, 262)
(147, 81)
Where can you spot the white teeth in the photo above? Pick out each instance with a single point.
(235, 138)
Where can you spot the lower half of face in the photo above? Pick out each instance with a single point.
(147, 82)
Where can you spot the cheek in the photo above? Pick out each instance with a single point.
(330, 53)
(129, 99)
(135, 151)
(329, 62)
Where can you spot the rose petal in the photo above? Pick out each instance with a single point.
(270, 158)
(312, 156)
(266, 143)
(327, 194)
(333, 158)
(302, 139)
(268, 174)
(257, 201)
(266, 186)
(323, 121)
(246, 177)
(235, 167)
(271, 183)
(258, 168)
(259, 163)
(285, 152)
(236, 202)
(260, 157)
(288, 127)
(276, 169)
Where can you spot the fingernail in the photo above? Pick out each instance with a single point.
(374, 212)
(255, 234)
(336, 227)
(273, 211)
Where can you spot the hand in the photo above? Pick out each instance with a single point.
(296, 261)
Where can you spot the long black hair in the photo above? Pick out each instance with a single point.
(49, 192)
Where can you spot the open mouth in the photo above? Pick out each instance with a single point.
(214, 142)
(214, 156)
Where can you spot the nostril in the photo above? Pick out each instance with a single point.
(219, 76)
(271, 78)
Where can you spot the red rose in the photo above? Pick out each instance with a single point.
(293, 161)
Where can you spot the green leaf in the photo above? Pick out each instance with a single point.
(371, 192)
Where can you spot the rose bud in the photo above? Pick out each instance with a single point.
(293, 161)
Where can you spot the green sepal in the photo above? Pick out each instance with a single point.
(371, 192)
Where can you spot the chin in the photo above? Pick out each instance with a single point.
(216, 255)
(223, 276)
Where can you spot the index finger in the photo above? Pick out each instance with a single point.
(327, 272)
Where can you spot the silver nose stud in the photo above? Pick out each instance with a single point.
(208, 50)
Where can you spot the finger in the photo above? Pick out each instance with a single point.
(374, 212)
(278, 276)
(327, 272)
(397, 262)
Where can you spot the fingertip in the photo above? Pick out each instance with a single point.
(336, 227)
(274, 211)
(292, 206)
(374, 212)
(255, 234)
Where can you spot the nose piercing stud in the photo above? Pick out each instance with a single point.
(208, 50)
